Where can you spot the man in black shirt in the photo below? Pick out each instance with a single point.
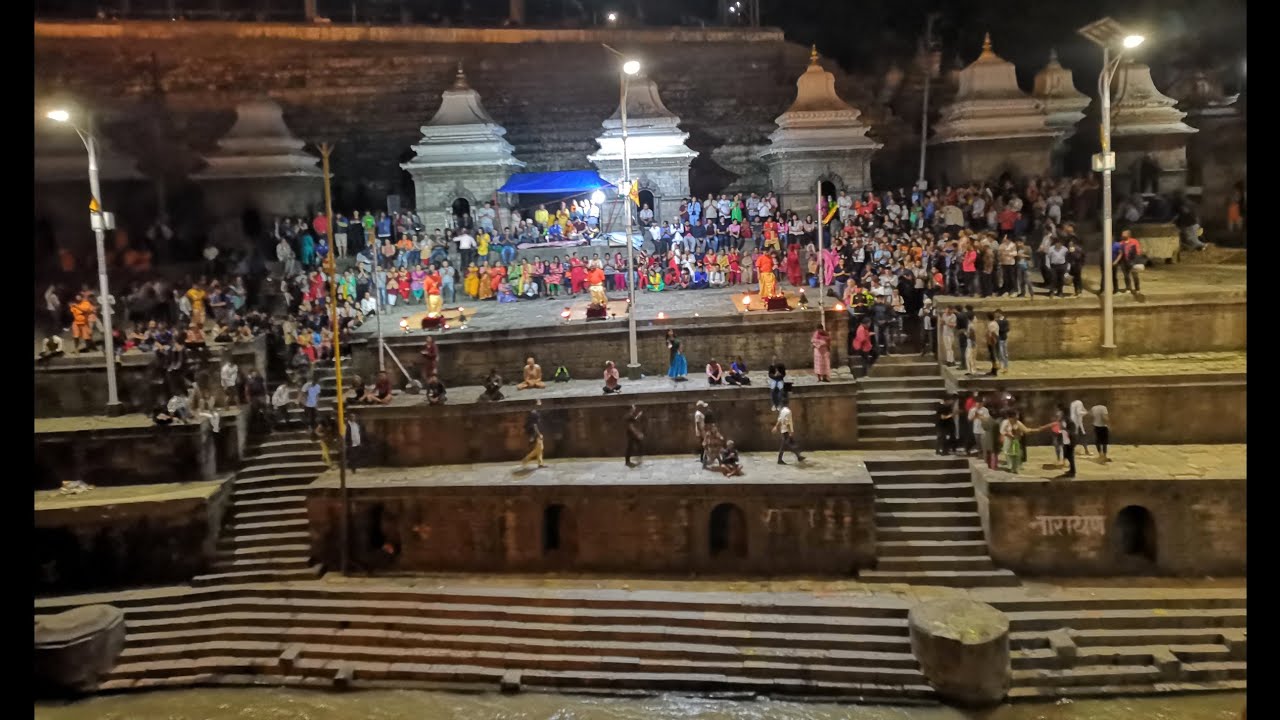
(533, 428)
(881, 320)
(946, 412)
(777, 384)
(963, 318)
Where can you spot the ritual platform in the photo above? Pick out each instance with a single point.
(667, 515)
(126, 536)
(1153, 510)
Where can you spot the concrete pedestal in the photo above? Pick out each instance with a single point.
(963, 650)
(75, 648)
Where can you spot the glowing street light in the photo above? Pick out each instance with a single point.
(631, 67)
(98, 220)
(1108, 34)
(613, 17)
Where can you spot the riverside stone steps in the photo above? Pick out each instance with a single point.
(266, 536)
(928, 530)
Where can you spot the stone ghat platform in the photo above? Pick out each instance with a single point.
(1154, 510)
(709, 323)
(132, 450)
(77, 385)
(578, 420)
(787, 640)
(126, 536)
(666, 516)
(1197, 398)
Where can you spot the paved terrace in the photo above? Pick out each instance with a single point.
(1118, 367)
(1143, 462)
(55, 500)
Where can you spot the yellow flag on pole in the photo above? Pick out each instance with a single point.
(635, 193)
(93, 204)
(830, 213)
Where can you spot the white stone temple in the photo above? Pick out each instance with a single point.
(1147, 134)
(1062, 103)
(462, 158)
(260, 165)
(655, 145)
(820, 138)
(991, 126)
(1217, 157)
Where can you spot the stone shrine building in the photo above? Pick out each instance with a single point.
(1216, 155)
(991, 126)
(1148, 135)
(656, 149)
(260, 166)
(1063, 105)
(461, 160)
(819, 138)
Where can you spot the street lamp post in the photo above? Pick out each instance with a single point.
(629, 68)
(924, 108)
(98, 220)
(1107, 33)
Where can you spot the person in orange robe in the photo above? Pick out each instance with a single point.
(764, 272)
(431, 286)
(595, 283)
(793, 266)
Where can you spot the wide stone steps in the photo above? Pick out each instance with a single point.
(894, 466)
(915, 442)
(926, 548)
(1157, 619)
(908, 416)
(904, 519)
(239, 577)
(248, 562)
(932, 533)
(1049, 692)
(904, 431)
(315, 467)
(283, 480)
(945, 578)
(904, 369)
(900, 505)
(266, 551)
(297, 535)
(249, 518)
(302, 441)
(924, 490)
(870, 405)
(929, 476)
(882, 391)
(1095, 675)
(305, 455)
(898, 563)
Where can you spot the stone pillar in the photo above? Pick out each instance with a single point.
(963, 650)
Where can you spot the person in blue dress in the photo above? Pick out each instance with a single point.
(679, 367)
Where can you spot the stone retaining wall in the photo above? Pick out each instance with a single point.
(1142, 328)
(1198, 527)
(582, 347)
(825, 419)
(786, 529)
(1145, 410)
(72, 386)
(126, 544)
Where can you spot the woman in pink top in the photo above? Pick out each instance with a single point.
(968, 269)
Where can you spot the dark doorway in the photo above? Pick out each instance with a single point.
(552, 528)
(461, 209)
(646, 198)
(828, 189)
(1135, 534)
(728, 531)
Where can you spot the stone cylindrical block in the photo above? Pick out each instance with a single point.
(963, 650)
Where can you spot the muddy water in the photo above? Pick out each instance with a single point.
(270, 704)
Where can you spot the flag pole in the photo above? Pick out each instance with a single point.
(332, 268)
(822, 262)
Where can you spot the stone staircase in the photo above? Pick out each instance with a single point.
(321, 635)
(896, 404)
(1140, 645)
(267, 537)
(928, 531)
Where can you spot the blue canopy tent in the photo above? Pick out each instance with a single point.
(562, 182)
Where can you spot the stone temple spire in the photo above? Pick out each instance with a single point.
(1055, 89)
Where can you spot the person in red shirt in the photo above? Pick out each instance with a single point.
(321, 225)
(1006, 220)
(431, 286)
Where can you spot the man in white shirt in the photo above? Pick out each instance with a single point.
(845, 204)
(229, 379)
(466, 248)
(977, 414)
(784, 426)
(646, 215)
(699, 425)
(487, 216)
(1101, 430)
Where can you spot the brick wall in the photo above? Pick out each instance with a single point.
(1145, 410)
(1199, 526)
(73, 386)
(825, 419)
(665, 529)
(139, 456)
(465, 358)
(1141, 328)
(126, 544)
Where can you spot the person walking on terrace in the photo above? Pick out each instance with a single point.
(1101, 431)
(533, 427)
(635, 436)
(783, 426)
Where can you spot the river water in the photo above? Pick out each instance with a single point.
(281, 704)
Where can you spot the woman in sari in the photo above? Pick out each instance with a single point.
(497, 276)
(620, 276)
(830, 258)
(821, 342)
(485, 280)
(540, 274)
(677, 368)
(792, 265)
(656, 282)
(471, 286)
(523, 276)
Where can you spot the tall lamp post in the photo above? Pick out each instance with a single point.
(629, 68)
(98, 221)
(1108, 34)
(924, 108)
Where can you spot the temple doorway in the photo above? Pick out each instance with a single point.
(1135, 534)
(461, 211)
(828, 189)
(646, 198)
(558, 531)
(728, 531)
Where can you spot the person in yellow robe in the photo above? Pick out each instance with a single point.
(764, 269)
(486, 288)
(197, 295)
(471, 285)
